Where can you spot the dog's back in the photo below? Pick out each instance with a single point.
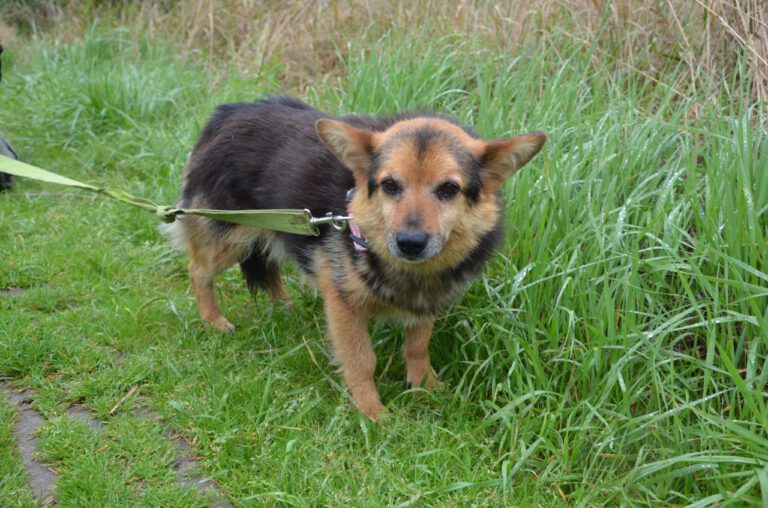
(265, 155)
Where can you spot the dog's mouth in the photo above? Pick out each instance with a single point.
(414, 247)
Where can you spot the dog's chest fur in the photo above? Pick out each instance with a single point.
(363, 279)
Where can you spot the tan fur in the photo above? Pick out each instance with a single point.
(348, 319)
(416, 354)
(348, 330)
(475, 145)
(337, 135)
(209, 256)
(461, 224)
(506, 156)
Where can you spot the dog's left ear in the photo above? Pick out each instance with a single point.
(352, 146)
(503, 158)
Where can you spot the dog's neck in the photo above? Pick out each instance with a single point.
(424, 293)
(355, 234)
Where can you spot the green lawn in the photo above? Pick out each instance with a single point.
(615, 352)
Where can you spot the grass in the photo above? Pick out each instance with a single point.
(615, 352)
(129, 466)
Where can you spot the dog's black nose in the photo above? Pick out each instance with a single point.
(412, 243)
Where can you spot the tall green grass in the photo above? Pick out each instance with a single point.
(614, 352)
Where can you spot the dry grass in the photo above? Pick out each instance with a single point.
(307, 37)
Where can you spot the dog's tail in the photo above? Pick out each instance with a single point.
(256, 269)
(261, 268)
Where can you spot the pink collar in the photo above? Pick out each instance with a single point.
(355, 234)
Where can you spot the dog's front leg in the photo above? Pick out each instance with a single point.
(416, 353)
(348, 328)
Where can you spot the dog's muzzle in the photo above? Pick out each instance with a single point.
(414, 246)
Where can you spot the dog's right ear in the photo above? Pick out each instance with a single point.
(352, 146)
(504, 157)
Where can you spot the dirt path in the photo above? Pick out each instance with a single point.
(185, 464)
(42, 479)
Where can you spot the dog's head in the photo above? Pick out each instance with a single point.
(426, 190)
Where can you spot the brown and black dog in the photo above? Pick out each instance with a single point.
(424, 193)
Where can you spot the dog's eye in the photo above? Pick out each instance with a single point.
(390, 186)
(447, 190)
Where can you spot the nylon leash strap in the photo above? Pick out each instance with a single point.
(299, 222)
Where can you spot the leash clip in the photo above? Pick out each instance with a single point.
(167, 214)
(337, 222)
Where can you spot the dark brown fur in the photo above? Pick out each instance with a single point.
(426, 198)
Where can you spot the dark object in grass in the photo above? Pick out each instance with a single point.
(6, 180)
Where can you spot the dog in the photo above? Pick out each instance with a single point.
(423, 192)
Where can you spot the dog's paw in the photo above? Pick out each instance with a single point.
(369, 403)
(427, 380)
(222, 324)
(376, 412)
(437, 386)
(286, 304)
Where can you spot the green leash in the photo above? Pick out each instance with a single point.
(299, 222)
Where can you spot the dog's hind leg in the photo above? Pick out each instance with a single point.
(205, 294)
(205, 263)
